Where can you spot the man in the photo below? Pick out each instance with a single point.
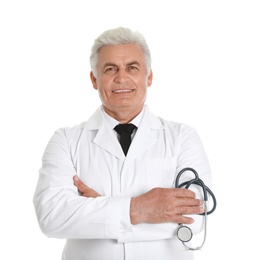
(111, 203)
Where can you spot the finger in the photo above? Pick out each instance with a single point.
(75, 179)
(188, 202)
(178, 192)
(84, 189)
(180, 219)
(184, 220)
(79, 184)
(184, 210)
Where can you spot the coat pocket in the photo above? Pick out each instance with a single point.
(160, 172)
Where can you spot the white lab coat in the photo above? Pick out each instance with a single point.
(100, 228)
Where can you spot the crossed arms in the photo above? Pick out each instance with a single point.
(159, 205)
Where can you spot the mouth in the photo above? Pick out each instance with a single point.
(119, 91)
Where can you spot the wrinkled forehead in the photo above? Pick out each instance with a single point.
(121, 54)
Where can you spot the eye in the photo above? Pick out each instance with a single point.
(110, 69)
(133, 68)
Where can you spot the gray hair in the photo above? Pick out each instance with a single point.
(119, 36)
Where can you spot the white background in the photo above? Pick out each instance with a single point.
(204, 64)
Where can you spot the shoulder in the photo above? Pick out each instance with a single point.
(173, 128)
(176, 128)
(71, 131)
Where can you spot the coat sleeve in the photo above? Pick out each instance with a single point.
(60, 211)
(189, 152)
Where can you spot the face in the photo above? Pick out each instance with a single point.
(122, 79)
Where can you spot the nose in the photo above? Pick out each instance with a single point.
(121, 76)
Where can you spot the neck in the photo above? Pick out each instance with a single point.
(124, 116)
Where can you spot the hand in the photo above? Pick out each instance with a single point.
(161, 205)
(84, 189)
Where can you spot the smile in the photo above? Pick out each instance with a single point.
(122, 90)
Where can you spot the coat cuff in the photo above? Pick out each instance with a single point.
(118, 217)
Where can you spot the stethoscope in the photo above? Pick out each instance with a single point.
(184, 233)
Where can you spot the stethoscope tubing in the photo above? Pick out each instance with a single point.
(199, 182)
(206, 190)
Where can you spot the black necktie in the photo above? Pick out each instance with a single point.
(125, 131)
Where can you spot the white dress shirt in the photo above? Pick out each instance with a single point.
(112, 122)
(99, 228)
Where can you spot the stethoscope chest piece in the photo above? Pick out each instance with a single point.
(184, 233)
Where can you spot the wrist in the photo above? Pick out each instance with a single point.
(135, 217)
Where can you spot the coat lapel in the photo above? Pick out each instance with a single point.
(104, 136)
(146, 135)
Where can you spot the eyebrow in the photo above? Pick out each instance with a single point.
(133, 63)
(109, 64)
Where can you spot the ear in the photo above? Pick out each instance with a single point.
(149, 78)
(93, 80)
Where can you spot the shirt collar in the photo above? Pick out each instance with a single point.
(112, 122)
